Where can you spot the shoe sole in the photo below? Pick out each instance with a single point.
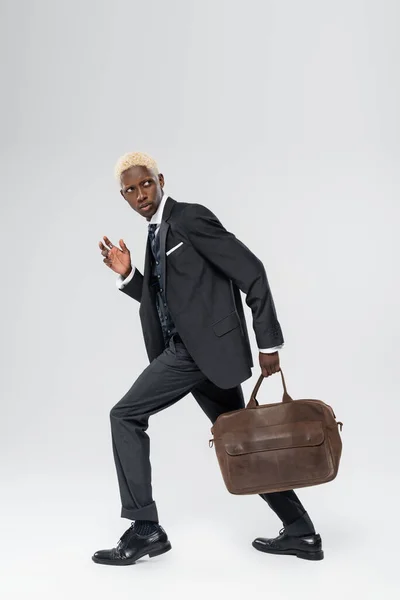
(318, 555)
(155, 551)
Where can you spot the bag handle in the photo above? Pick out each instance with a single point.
(253, 402)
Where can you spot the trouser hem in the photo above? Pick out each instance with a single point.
(145, 513)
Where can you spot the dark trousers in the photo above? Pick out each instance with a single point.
(167, 379)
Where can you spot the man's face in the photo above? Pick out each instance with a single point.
(142, 187)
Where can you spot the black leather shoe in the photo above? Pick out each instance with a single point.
(132, 546)
(304, 546)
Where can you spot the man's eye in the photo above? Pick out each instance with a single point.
(147, 183)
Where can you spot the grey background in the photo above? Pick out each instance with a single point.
(280, 116)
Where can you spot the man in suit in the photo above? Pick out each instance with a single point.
(196, 340)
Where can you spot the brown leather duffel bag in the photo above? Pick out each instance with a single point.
(277, 447)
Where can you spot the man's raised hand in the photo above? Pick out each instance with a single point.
(118, 259)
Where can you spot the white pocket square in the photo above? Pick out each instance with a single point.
(174, 248)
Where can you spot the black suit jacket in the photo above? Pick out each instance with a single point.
(202, 279)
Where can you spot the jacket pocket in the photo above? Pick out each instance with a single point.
(226, 324)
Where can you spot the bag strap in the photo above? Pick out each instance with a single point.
(253, 402)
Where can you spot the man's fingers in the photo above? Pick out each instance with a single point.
(107, 241)
(123, 245)
(270, 371)
(104, 251)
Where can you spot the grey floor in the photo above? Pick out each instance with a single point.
(51, 527)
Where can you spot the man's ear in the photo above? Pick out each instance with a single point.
(161, 179)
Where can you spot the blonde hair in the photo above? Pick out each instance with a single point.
(134, 159)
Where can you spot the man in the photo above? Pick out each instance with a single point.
(196, 340)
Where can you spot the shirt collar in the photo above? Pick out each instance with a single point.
(156, 218)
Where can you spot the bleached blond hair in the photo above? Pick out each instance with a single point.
(134, 159)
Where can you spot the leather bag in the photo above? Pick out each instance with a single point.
(277, 447)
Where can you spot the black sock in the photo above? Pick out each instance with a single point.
(145, 527)
(301, 526)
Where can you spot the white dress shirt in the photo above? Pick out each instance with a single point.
(156, 218)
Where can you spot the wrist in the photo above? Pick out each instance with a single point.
(125, 275)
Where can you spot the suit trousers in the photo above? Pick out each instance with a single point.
(167, 379)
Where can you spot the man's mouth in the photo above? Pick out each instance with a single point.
(145, 207)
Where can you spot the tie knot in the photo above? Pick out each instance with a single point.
(152, 227)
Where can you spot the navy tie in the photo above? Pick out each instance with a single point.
(152, 235)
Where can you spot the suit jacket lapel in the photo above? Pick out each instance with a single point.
(163, 236)
(162, 233)
(147, 263)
